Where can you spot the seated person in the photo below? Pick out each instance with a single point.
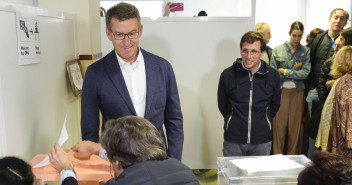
(15, 171)
(136, 152)
(327, 169)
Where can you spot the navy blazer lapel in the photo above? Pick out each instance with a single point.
(150, 72)
(115, 74)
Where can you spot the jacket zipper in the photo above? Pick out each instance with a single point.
(250, 108)
(228, 121)
(267, 117)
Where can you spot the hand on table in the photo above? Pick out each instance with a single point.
(84, 149)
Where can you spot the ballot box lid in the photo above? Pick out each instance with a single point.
(235, 175)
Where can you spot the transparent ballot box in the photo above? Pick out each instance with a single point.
(229, 173)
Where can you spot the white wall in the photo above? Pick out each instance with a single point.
(199, 50)
(87, 16)
(281, 14)
(218, 8)
(24, 2)
(35, 98)
(317, 16)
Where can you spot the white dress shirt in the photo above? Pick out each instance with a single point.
(135, 79)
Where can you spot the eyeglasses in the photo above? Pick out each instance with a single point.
(121, 36)
(253, 53)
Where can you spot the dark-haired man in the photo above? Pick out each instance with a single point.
(248, 98)
(131, 81)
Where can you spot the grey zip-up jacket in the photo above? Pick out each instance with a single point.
(248, 102)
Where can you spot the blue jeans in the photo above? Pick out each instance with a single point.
(236, 149)
(311, 147)
(312, 95)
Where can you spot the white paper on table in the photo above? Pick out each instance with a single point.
(62, 139)
(266, 163)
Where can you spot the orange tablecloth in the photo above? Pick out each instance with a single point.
(94, 169)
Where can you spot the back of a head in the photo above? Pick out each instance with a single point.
(312, 35)
(327, 169)
(122, 12)
(132, 139)
(202, 13)
(15, 171)
(347, 35)
(341, 64)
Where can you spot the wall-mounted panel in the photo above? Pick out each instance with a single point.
(199, 49)
(36, 97)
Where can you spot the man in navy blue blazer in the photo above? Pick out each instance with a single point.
(131, 81)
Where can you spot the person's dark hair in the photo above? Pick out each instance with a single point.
(345, 12)
(15, 171)
(347, 35)
(132, 139)
(296, 26)
(327, 169)
(122, 12)
(202, 13)
(253, 36)
(312, 35)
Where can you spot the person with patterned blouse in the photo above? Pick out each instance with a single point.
(340, 139)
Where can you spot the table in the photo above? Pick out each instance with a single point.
(88, 171)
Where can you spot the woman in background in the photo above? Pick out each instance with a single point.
(312, 35)
(340, 139)
(325, 79)
(291, 59)
(324, 86)
(306, 115)
(307, 134)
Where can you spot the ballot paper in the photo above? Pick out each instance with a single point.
(62, 139)
(266, 164)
